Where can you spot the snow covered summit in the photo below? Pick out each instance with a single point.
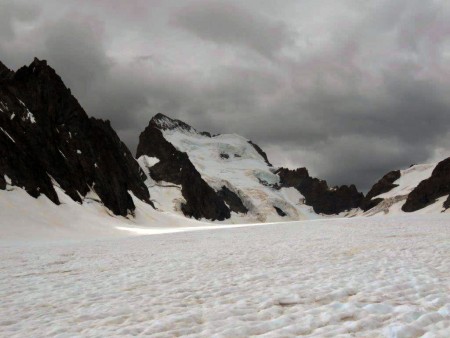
(232, 176)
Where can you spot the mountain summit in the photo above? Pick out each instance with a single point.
(227, 175)
(49, 144)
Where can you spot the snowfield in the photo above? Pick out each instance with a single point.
(360, 277)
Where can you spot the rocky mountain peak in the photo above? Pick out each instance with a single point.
(164, 122)
(38, 68)
(48, 140)
(175, 166)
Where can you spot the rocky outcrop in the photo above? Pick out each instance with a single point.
(174, 166)
(385, 184)
(232, 200)
(323, 199)
(292, 178)
(280, 212)
(47, 139)
(426, 193)
(164, 122)
(447, 203)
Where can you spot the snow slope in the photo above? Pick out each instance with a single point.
(230, 160)
(360, 277)
(24, 218)
(394, 199)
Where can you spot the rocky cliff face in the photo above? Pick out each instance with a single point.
(47, 139)
(175, 166)
(323, 199)
(385, 184)
(430, 189)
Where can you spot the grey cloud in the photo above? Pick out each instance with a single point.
(12, 12)
(228, 23)
(77, 53)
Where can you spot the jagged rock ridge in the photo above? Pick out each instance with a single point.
(385, 184)
(323, 199)
(47, 139)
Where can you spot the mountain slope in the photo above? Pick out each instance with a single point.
(49, 146)
(237, 170)
(422, 188)
(47, 140)
(431, 189)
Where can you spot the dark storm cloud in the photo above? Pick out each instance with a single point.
(349, 90)
(228, 23)
(77, 52)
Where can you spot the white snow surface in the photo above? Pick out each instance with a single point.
(76, 270)
(29, 115)
(24, 218)
(359, 277)
(244, 172)
(6, 133)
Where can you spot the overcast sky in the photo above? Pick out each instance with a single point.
(350, 89)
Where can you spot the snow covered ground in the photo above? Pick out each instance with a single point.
(363, 277)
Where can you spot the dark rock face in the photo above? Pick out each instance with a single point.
(261, 152)
(447, 203)
(429, 190)
(317, 194)
(280, 212)
(5, 72)
(232, 200)
(385, 184)
(47, 135)
(174, 166)
(292, 178)
(164, 122)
